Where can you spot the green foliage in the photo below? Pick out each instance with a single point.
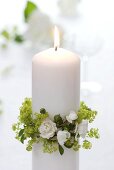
(94, 133)
(76, 146)
(39, 118)
(5, 34)
(87, 144)
(22, 138)
(58, 120)
(42, 111)
(27, 128)
(13, 35)
(10, 35)
(29, 9)
(5, 38)
(86, 113)
(3, 45)
(26, 112)
(68, 144)
(21, 132)
(68, 126)
(30, 143)
(49, 146)
(30, 131)
(29, 148)
(14, 127)
(18, 38)
(61, 150)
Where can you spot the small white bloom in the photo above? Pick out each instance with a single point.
(83, 128)
(72, 116)
(62, 136)
(47, 129)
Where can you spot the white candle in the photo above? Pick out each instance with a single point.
(55, 87)
(56, 81)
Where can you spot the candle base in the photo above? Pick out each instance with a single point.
(54, 161)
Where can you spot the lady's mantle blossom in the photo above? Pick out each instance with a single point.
(83, 128)
(62, 137)
(47, 129)
(72, 116)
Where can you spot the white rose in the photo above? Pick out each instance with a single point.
(47, 129)
(62, 136)
(72, 116)
(83, 128)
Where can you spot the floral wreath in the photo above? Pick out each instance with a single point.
(58, 133)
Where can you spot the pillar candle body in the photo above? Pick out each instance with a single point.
(56, 81)
(44, 161)
(55, 87)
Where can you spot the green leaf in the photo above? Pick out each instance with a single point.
(22, 139)
(61, 150)
(21, 132)
(5, 34)
(58, 120)
(29, 9)
(72, 126)
(18, 38)
(69, 127)
(66, 127)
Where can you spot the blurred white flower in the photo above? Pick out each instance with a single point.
(62, 136)
(72, 116)
(68, 7)
(83, 128)
(39, 29)
(47, 129)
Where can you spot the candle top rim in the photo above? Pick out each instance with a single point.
(59, 55)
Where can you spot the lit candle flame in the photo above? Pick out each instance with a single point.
(56, 38)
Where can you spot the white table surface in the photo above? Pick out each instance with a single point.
(17, 85)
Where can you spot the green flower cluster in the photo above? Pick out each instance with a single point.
(86, 113)
(27, 128)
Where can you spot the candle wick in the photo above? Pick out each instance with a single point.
(55, 48)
